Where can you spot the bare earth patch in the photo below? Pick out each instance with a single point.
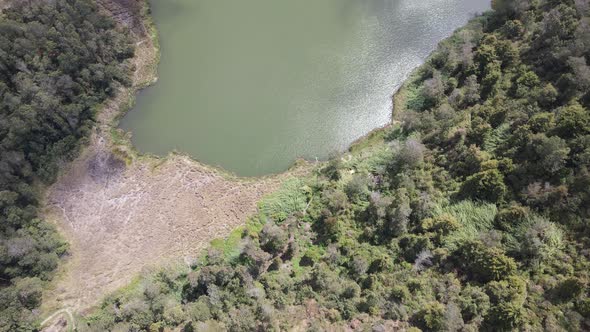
(119, 220)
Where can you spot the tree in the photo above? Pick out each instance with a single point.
(332, 170)
(273, 238)
(357, 188)
(548, 155)
(573, 120)
(434, 88)
(471, 89)
(507, 298)
(509, 8)
(431, 317)
(569, 289)
(485, 263)
(474, 303)
(526, 83)
(29, 292)
(487, 185)
(60, 59)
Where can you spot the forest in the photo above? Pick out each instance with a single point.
(59, 60)
(471, 212)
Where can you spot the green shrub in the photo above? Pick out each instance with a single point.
(289, 199)
(431, 317)
(484, 263)
(511, 217)
(507, 298)
(487, 186)
(569, 289)
(474, 303)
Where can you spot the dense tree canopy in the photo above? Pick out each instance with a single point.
(58, 61)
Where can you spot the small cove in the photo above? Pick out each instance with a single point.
(251, 85)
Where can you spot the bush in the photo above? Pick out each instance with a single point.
(484, 263)
(358, 187)
(487, 185)
(569, 289)
(273, 238)
(332, 170)
(431, 317)
(511, 217)
(474, 303)
(507, 298)
(198, 311)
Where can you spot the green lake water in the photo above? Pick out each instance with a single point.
(251, 85)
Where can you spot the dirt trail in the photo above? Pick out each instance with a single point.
(122, 212)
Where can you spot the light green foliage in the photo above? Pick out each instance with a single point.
(496, 138)
(415, 98)
(292, 197)
(573, 120)
(473, 219)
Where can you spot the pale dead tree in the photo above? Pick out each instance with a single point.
(582, 6)
(434, 87)
(423, 260)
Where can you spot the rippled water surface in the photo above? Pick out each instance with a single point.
(250, 85)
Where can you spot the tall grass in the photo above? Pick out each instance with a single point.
(292, 197)
(473, 217)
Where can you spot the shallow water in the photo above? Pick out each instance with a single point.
(250, 85)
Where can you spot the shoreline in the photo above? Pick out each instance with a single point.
(64, 207)
(122, 211)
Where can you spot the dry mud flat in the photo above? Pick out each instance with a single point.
(120, 219)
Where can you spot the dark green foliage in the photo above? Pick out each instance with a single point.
(569, 289)
(507, 298)
(484, 263)
(58, 61)
(487, 185)
(432, 317)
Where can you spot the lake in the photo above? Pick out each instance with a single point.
(251, 85)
